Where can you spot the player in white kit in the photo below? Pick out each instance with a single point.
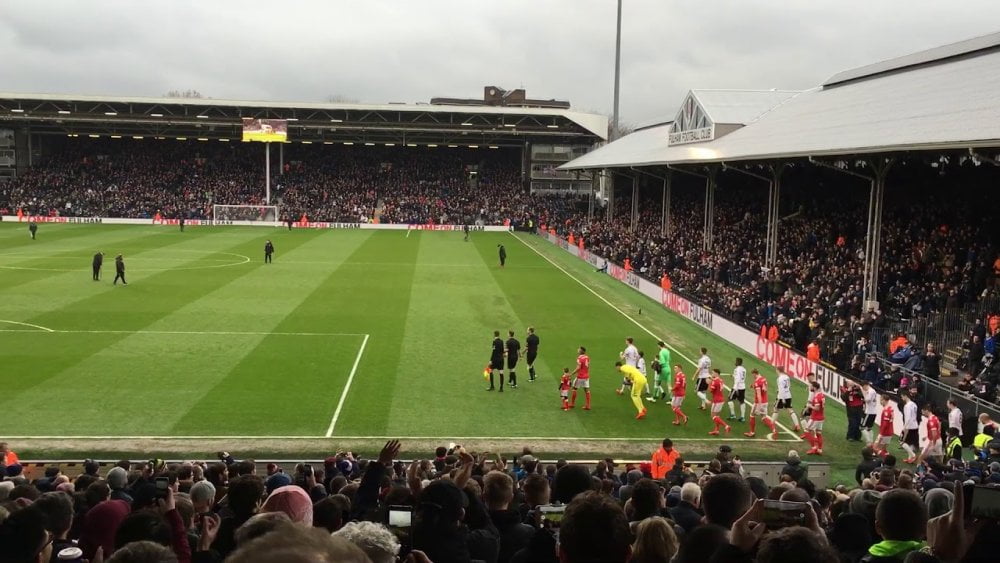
(785, 400)
(870, 397)
(738, 391)
(702, 372)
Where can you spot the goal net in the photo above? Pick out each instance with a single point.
(245, 213)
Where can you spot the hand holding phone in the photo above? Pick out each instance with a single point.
(777, 514)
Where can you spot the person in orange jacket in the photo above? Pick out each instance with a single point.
(812, 351)
(628, 265)
(772, 333)
(664, 459)
(665, 282)
(7, 455)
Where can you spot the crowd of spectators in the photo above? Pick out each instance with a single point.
(122, 178)
(460, 506)
(937, 250)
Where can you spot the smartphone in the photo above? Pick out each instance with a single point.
(307, 470)
(986, 503)
(162, 486)
(401, 525)
(552, 515)
(777, 514)
(400, 516)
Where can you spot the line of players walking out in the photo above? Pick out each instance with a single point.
(710, 388)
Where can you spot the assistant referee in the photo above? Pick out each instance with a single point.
(531, 352)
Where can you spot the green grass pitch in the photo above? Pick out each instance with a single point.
(354, 334)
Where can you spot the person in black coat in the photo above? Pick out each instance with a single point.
(794, 468)
(498, 493)
(932, 363)
(98, 262)
(32, 228)
(686, 513)
(268, 251)
(503, 254)
(119, 270)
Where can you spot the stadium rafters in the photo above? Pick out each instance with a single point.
(400, 124)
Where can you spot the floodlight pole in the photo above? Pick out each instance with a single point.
(618, 68)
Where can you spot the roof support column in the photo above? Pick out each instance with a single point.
(665, 217)
(873, 237)
(267, 173)
(634, 223)
(773, 209)
(610, 211)
(667, 181)
(709, 209)
(709, 200)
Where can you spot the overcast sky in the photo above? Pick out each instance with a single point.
(410, 50)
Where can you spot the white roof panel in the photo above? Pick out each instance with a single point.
(740, 106)
(952, 104)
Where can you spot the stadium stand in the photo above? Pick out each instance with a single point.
(466, 507)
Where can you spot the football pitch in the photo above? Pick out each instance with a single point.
(349, 335)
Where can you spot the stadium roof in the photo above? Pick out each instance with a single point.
(943, 98)
(84, 114)
(739, 106)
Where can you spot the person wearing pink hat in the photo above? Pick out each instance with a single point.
(293, 501)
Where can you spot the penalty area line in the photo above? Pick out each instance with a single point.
(347, 388)
(624, 314)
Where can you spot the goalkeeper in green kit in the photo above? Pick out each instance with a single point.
(662, 373)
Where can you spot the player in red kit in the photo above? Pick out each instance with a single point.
(815, 432)
(679, 390)
(759, 386)
(564, 385)
(715, 389)
(886, 427)
(934, 449)
(582, 375)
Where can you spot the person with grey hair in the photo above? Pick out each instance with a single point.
(118, 479)
(378, 543)
(687, 513)
(202, 496)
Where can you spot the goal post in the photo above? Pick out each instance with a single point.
(263, 213)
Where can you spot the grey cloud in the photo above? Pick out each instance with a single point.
(397, 50)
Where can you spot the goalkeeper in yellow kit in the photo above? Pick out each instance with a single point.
(638, 384)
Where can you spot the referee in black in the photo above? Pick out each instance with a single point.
(513, 354)
(466, 229)
(268, 251)
(119, 270)
(496, 359)
(503, 255)
(531, 344)
(98, 262)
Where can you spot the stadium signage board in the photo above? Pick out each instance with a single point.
(692, 136)
(269, 224)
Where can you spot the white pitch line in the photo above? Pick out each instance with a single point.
(39, 327)
(623, 313)
(347, 387)
(408, 233)
(194, 332)
(387, 437)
